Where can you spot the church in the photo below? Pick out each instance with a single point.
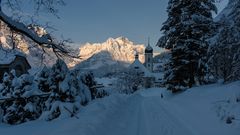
(151, 78)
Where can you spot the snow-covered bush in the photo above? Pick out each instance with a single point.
(43, 79)
(68, 92)
(55, 92)
(129, 81)
(5, 86)
(88, 80)
(19, 106)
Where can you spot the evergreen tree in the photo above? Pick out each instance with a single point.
(43, 80)
(68, 92)
(6, 84)
(57, 75)
(19, 107)
(235, 14)
(171, 27)
(225, 52)
(89, 81)
(185, 32)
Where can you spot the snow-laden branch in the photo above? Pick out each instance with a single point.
(44, 41)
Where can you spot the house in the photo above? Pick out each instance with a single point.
(15, 62)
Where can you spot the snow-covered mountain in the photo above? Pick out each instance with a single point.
(112, 55)
(119, 49)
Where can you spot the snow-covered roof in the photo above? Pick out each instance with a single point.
(7, 57)
(137, 65)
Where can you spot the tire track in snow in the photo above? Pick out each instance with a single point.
(142, 116)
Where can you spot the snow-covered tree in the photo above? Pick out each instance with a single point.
(88, 80)
(57, 75)
(68, 92)
(5, 86)
(130, 81)
(171, 27)
(43, 79)
(225, 53)
(19, 106)
(185, 32)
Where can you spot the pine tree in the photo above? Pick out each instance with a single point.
(235, 14)
(225, 52)
(226, 46)
(57, 75)
(68, 92)
(89, 81)
(43, 80)
(170, 27)
(185, 34)
(19, 107)
(6, 84)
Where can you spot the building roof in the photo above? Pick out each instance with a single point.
(7, 58)
(137, 65)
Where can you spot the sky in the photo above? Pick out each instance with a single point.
(96, 20)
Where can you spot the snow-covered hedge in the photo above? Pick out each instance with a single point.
(55, 92)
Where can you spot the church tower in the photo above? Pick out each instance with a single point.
(149, 57)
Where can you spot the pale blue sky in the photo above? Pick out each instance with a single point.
(96, 20)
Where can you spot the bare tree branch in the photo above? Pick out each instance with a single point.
(45, 41)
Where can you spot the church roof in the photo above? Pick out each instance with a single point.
(137, 65)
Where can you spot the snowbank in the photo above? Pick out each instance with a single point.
(197, 111)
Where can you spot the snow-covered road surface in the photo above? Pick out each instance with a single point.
(142, 116)
(193, 112)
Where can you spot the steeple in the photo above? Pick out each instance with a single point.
(149, 57)
(149, 49)
(148, 41)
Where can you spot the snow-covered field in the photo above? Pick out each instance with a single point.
(198, 111)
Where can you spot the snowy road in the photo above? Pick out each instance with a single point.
(144, 115)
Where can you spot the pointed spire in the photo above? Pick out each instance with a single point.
(148, 41)
(149, 49)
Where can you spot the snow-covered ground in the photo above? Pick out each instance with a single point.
(198, 111)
